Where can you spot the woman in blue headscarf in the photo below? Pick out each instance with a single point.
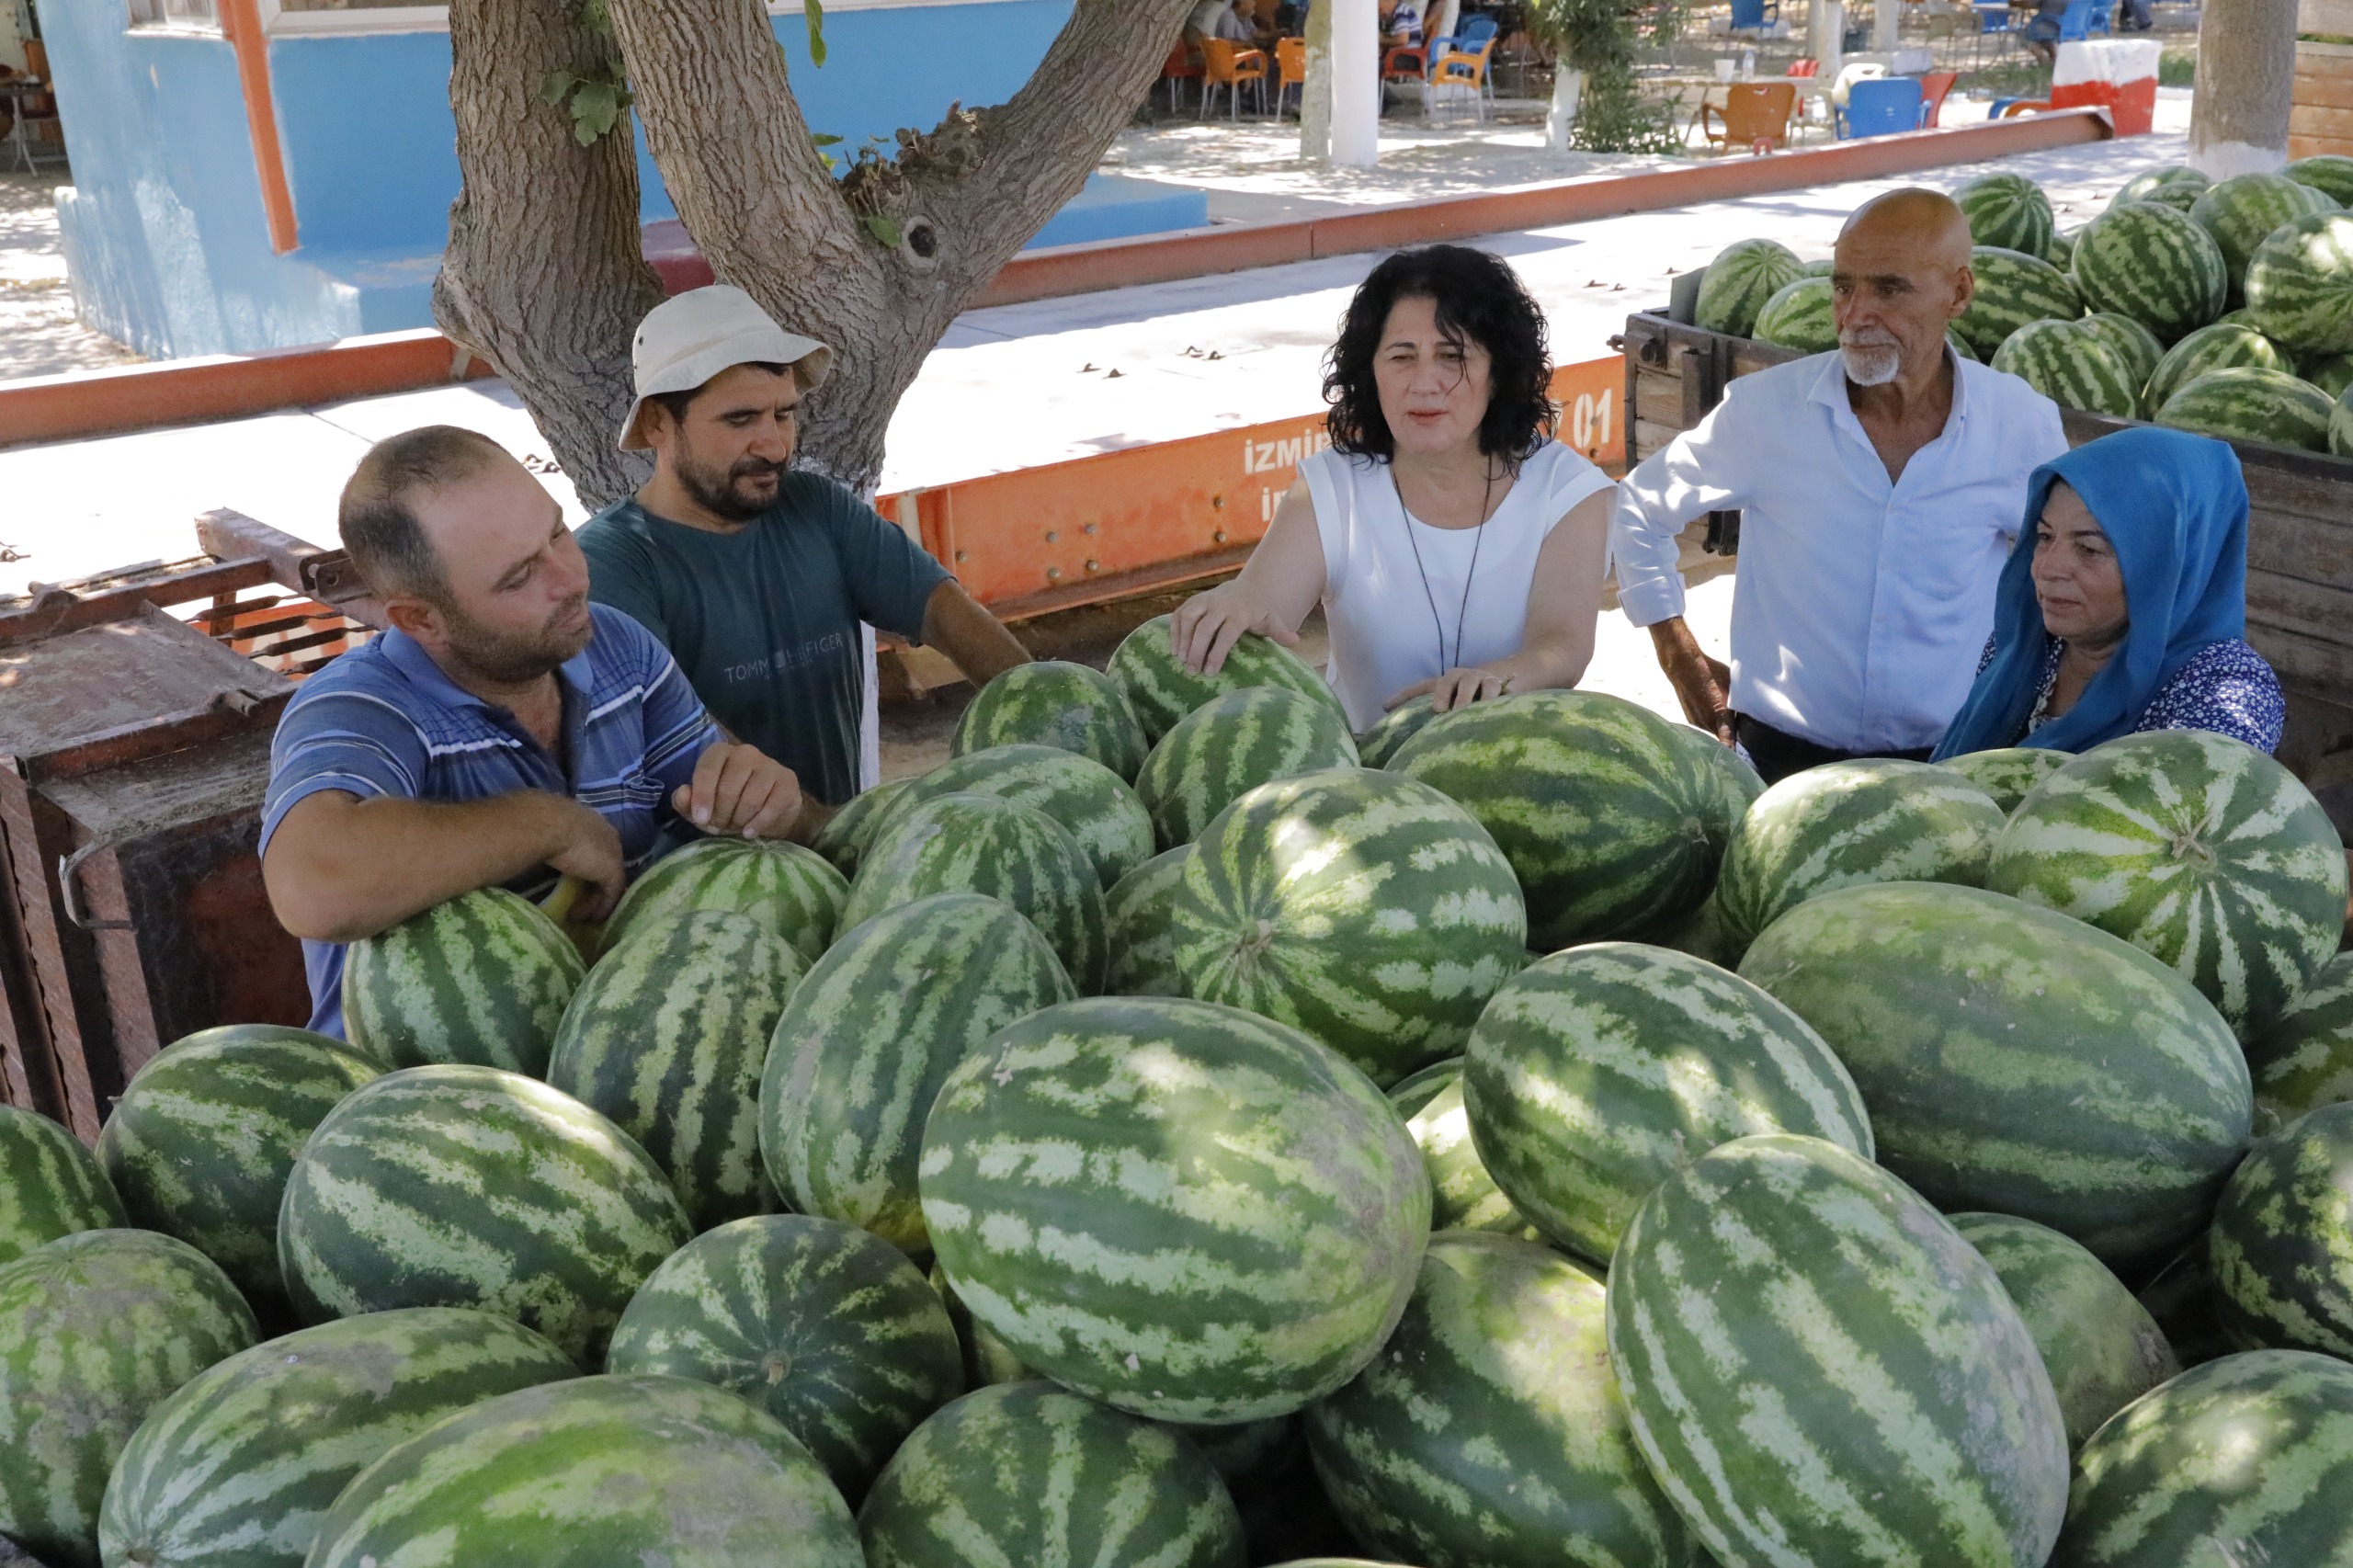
(2124, 605)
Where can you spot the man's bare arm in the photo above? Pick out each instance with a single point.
(974, 640)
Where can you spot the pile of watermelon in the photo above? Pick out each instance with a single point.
(2224, 308)
(1158, 1137)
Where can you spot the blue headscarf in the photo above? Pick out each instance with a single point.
(2174, 508)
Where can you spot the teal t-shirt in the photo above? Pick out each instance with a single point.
(764, 621)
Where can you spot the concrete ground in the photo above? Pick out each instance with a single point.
(39, 336)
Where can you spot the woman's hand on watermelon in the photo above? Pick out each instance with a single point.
(1458, 687)
(1207, 626)
(1278, 586)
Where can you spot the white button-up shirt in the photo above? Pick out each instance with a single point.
(1861, 604)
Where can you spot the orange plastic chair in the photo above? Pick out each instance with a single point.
(1291, 69)
(1804, 67)
(1466, 67)
(1224, 64)
(1182, 66)
(1933, 88)
(1756, 115)
(2024, 105)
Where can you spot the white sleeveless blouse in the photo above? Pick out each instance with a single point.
(1377, 599)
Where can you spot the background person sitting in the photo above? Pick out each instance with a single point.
(2123, 607)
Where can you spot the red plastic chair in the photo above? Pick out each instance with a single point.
(1804, 67)
(1933, 88)
(1182, 66)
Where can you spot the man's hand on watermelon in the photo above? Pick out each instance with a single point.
(1701, 684)
(740, 792)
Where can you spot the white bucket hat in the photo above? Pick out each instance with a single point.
(687, 339)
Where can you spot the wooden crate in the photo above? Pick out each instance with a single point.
(2320, 119)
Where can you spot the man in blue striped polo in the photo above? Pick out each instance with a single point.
(501, 732)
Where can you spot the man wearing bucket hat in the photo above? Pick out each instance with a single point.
(756, 574)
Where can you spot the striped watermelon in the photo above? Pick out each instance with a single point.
(466, 1187)
(2300, 284)
(1703, 934)
(2242, 210)
(1602, 810)
(846, 835)
(2329, 172)
(1092, 803)
(667, 1037)
(2009, 773)
(96, 1329)
(481, 980)
(2340, 424)
(2216, 347)
(1737, 779)
(988, 1360)
(1820, 1370)
(984, 844)
(201, 1142)
(2013, 289)
(1743, 276)
(1491, 1429)
(1162, 690)
(2243, 1461)
(2330, 373)
(1365, 908)
(1028, 1476)
(1965, 1017)
(50, 1185)
(595, 1473)
(1229, 747)
(1850, 823)
(2183, 1301)
(238, 1467)
(2007, 211)
(794, 892)
(1142, 911)
(828, 1329)
(2072, 365)
(1823, 267)
(2304, 1059)
(1463, 1197)
(1055, 703)
(1181, 1210)
(2101, 1347)
(2060, 251)
(1801, 315)
(864, 1045)
(2283, 1239)
(2246, 404)
(1399, 724)
(2153, 263)
(2130, 342)
(1601, 1070)
(2197, 848)
(2176, 185)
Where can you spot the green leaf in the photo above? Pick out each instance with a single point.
(823, 140)
(595, 107)
(597, 17)
(555, 85)
(884, 230)
(814, 11)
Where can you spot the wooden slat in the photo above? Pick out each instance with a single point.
(2317, 669)
(2305, 548)
(2331, 89)
(2312, 123)
(2310, 610)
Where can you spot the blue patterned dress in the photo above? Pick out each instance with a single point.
(2227, 688)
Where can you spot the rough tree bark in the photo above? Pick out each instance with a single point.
(755, 192)
(2247, 77)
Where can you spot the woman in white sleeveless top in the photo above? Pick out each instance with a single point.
(1455, 548)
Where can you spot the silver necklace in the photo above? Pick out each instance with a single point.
(1478, 537)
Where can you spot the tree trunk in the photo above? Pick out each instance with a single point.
(2246, 72)
(1316, 98)
(1568, 87)
(544, 275)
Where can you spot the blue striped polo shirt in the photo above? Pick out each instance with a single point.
(383, 720)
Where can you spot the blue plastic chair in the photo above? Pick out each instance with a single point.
(1880, 106)
(2074, 26)
(1992, 21)
(1750, 15)
(2103, 16)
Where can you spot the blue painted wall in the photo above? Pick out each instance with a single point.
(164, 229)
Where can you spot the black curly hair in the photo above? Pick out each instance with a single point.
(1480, 300)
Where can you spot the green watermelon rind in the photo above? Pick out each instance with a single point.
(794, 892)
(2304, 1059)
(1087, 800)
(2153, 263)
(2300, 284)
(2281, 1234)
(2007, 211)
(1055, 702)
(2013, 289)
(2072, 365)
(2219, 346)
(1229, 747)
(481, 980)
(1162, 690)
(1738, 282)
(51, 1185)
(2248, 404)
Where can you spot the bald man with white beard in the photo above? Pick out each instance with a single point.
(1880, 487)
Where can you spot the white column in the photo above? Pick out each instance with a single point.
(1355, 82)
(1887, 20)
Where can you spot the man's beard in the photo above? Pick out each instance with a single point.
(514, 658)
(1872, 362)
(723, 493)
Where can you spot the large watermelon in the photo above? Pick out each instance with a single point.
(1363, 907)
(2304, 1059)
(1394, 728)
(2300, 284)
(2243, 1461)
(2197, 848)
(2101, 1347)
(2183, 1301)
(96, 1329)
(794, 892)
(1055, 703)
(1028, 1476)
(481, 980)
(2329, 172)
(827, 1328)
(2249, 404)
(1600, 1071)
(2243, 211)
(988, 1360)
(1736, 778)
(592, 1474)
(846, 835)
(2132, 342)
(1230, 745)
(1141, 913)
(2072, 365)
(1744, 275)
(50, 1185)
(1821, 1370)
(2013, 289)
(2283, 1239)
(1463, 1197)
(201, 1142)
(1966, 1017)
(2006, 210)
(1162, 690)
(667, 1037)
(2332, 373)
(2340, 424)
(1092, 803)
(1604, 813)
(1182, 1209)
(2176, 185)
(1491, 1429)
(2008, 773)
(2219, 347)
(466, 1187)
(2153, 263)
(237, 1469)
(1801, 315)
(862, 1048)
